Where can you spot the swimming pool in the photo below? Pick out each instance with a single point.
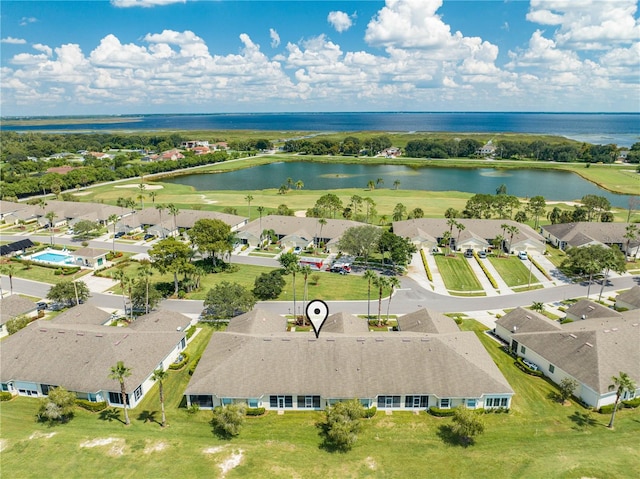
(56, 258)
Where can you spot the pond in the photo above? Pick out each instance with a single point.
(552, 184)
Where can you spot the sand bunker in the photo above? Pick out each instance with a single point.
(146, 186)
(301, 214)
(210, 202)
(82, 193)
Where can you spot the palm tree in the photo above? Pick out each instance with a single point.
(160, 375)
(460, 227)
(393, 284)
(380, 282)
(121, 276)
(160, 209)
(537, 306)
(497, 244)
(396, 184)
(113, 220)
(153, 195)
(131, 204)
(173, 211)
(380, 181)
(141, 188)
(10, 270)
(121, 202)
(289, 183)
(50, 216)
(446, 241)
(630, 235)
(399, 211)
(371, 185)
(289, 263)
(513, 230)
(260, 211)
(305, 271)
(321, 222)
(383, 219)
(591, 267)
(369, 275)
(621, 383)
(144, 273)
(119, 372)
(249, 199)
(299, 184)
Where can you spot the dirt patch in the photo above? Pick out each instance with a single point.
(146, 186)
(3, 444)
(42, 435)
(213, 450)
(82, 193)
(371, 463)
(157, 447)
(210, 202)
(116, 449)
(300, 214)
(231, 462)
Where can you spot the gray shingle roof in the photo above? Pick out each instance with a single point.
(14, 305)
(161, 321)
(592, 351)
(79, 357)
(590, 309)
(426, 321)
(525, 321)
(344, 323)
(576, 234)
(88, 252)
(258, 321)
(303, 227)
(631, 296)
(82, 314)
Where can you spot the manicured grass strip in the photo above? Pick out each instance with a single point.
(457, 274)
(426, 265)
(512, 270)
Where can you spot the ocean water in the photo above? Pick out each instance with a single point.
(622, 129)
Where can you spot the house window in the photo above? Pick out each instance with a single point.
(388, 401)
(5, 386)
(253, 402)
(116, 398)
(496, 402)
(183, 343)
(309, 402)
(471, 403)
(45, 388)
(227, 401)
(201, 400)
(280, 402)
(137, 394)
(445, 403)
(552, 368)
(523, 350)
(416, 401)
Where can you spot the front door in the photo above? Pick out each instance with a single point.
(308, 401)
(280, 402)
(388, 401)
(416, 401)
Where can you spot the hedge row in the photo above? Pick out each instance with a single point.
(436, 411)
(179, 365)
(486, 271)
(426, 265)
(91, 406)
(5, 396)
(539, 268)
(522, 366)
(369, 413)
(255, 411)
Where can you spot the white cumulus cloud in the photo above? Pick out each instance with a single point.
(13, 41)
(340, 21)
(143, 3)
(275, 38)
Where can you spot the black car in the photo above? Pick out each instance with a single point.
(119, 234)
(149, 236)
(468, 253)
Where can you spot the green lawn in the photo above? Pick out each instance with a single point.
(457, 274)
(513, 270)
(538, 439)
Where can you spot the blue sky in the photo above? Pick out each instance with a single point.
(166, 56)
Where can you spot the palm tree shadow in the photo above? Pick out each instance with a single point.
(582, 420)
(445, 432)
(148, 416)
(111, 414)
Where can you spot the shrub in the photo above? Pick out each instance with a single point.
(436, 411)
(193, 366)
(190, 331)
(194, 408)
(632, 403)
(539, 268)
(179, 364)
(485, 271)
(5, 396)
(426, 265)
(91, 406)
(369, 413)
(566, 320)
(227, 421)
(608, 409)
(255, 411)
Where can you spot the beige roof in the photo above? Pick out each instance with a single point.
(346, 365)
(590, 309)
(79, 357)
(344, 323)
(577, 234)
(82, 314)
(161, 321)
(592, 351)
(257, 321)
(307, 228)
(14, 305)
(84, 210)
(426, 321)
(483, 230)
(526, 321)
(186, 218)
(88, 252)
(631, 296)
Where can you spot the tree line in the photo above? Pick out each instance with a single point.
(349, 146)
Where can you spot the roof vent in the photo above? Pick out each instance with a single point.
(614, 329)
(406, 340)
(589, 344)
(591, 308)
(379, 340)
(266, 339)
(360, 340)
(425, 339)
(80, 334)
(528, 317)
(331, 339)
(99, 335)
(607, 330)
(573, 336)
(285, 339)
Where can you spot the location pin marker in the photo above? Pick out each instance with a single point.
(317, 312)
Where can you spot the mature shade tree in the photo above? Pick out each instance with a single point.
(595, 205)
(478, 206)
(341, 425)
(416, 213)
(211, 236)
(467, 424)
(400, 249)
(170, 255)
(621, 384)
(160, 376)
(119, 373)
(360, 240)
(268, 285)
(85, 229)
(69, 292)
(227, 421)
(591, 260)
(59, 406)
(399, 212)
(290, 263)
(227, 300)
(144, 296)
(451, 213)
(328, 205)
(554, 215)
(536, 206)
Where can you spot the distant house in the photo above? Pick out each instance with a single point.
(172, 155)
(576, 235)
(590, 351)
(477, 234)
(630, 299)
(90, 257)
(427, 321)
(585, 309)
(392, 371)
(13, 306)
(191, 144)
(487, 150)
(78, 356)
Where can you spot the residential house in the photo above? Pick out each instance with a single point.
(586, 309)
(13, 306)
(84, 314)
(79, 357)
(281, 370)
(630, 299)
(90, 257)
(576, 235)
(427, 321)
(522, 320)
(488, 149)
(590, 351)
(478, 234)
